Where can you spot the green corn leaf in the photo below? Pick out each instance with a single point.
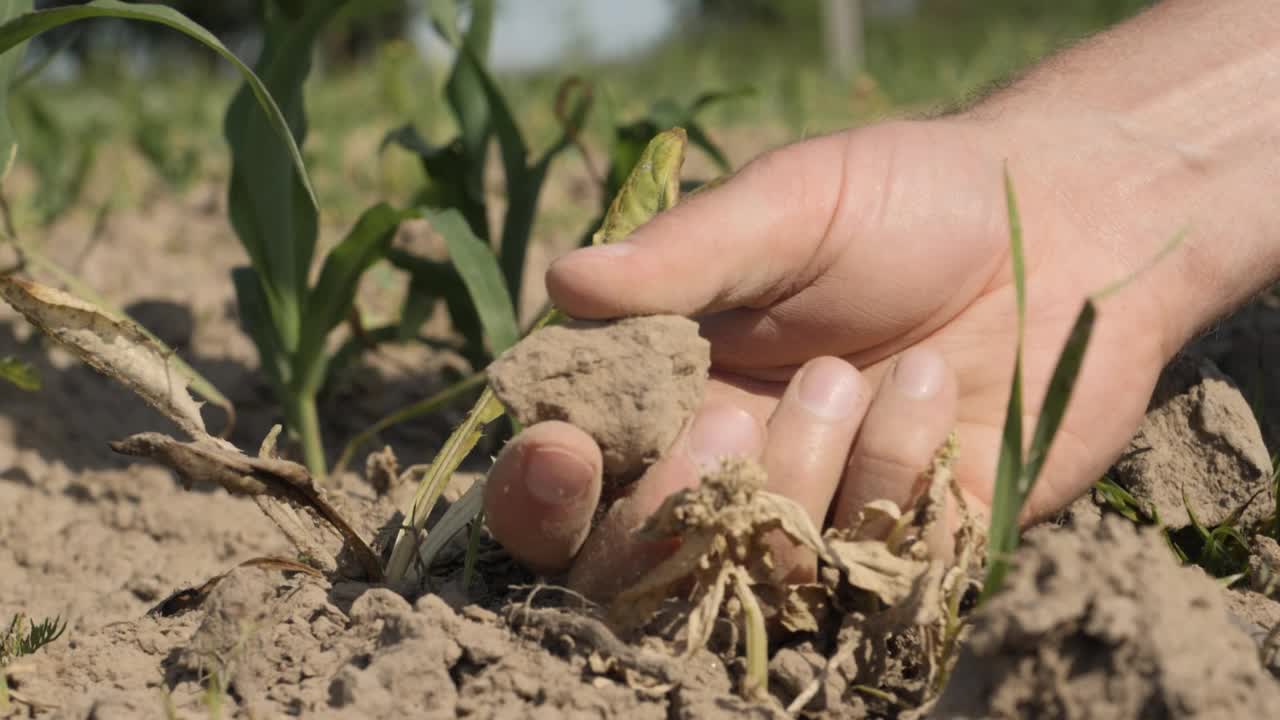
(433, 281)
(1006, 499)
(652, 186)
(444, 18)
(446, 167)
(524, 183)
(478, 268)
(329, 302)
(464, 92)
(29, 24)
(255, 320)
(269, 206)
(19, 373)
(10, 60)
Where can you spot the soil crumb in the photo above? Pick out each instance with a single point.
(631, 384)
(1199, 441)
(1104, 623)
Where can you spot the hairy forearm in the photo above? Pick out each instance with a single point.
(1169, 122)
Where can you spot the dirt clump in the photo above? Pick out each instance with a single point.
(630, 384)
(1199, 449)
(1080, 631)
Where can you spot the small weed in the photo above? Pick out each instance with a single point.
(1222, 550)
(1116, 499)
(25, 636)
(19, 373)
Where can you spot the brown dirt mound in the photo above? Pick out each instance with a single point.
(1082, 632)
(1198, 448)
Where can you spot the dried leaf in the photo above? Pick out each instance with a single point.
(702, 620)
(115, 347)
(635, 606)
(217, 462)
(869, 565)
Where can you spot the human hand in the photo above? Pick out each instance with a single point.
(882, 249)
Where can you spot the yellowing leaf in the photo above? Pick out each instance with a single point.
(652, 186)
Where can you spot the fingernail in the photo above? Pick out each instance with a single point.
(828, 388)
(556, 477)
(721, 432)
(919, 373)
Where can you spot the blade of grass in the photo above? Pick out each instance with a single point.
(1005, 505)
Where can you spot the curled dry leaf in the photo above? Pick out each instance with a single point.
(115, 347)
(213, 461)
(724, 557)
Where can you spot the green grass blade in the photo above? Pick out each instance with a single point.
(330, 300)
(29, 24)
(478, 267)
(1006, 498)
(1058, 395)
(19, 373)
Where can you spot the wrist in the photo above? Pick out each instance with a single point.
(1141, 147)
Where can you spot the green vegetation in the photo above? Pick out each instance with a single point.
(25, 636)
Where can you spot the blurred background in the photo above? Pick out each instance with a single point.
(110, 113)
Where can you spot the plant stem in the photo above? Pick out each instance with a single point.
(307, 424)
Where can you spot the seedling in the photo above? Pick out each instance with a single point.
(1016, 473)
(1120, 501)
(26, 636)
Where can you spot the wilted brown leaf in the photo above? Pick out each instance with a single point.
(114, 347)
(212, 461)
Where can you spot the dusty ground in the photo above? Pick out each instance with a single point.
(102, 542)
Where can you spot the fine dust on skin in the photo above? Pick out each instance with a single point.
(630, 384)
(1103, 623)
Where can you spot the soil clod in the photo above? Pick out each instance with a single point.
(630, 384)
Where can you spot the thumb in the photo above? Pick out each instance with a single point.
(748, 242)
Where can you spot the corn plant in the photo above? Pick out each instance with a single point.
(19, 23)
(276, 220)
(456, 176)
